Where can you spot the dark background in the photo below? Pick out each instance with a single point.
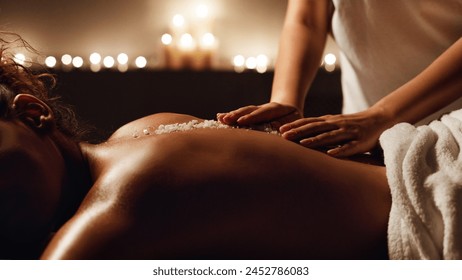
(109, 99)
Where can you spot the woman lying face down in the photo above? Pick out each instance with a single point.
(195, 193)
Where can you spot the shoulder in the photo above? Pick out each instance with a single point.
(151, 121)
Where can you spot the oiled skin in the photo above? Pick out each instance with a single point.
(223, 193)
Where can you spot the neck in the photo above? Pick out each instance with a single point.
(78, 180)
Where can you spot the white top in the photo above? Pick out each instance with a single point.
(385, 43)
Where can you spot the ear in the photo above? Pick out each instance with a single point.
(33, 111)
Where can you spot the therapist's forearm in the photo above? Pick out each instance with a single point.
(298, 61)
(437, 86)
(301, 46)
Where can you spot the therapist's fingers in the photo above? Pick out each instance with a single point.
(278, 122)
(299, 123)
(275, 113)
(338, 143)
(349, 149)
(232, 117)
(306, 129)
(330, 138)
(220, 116)
(259, 115)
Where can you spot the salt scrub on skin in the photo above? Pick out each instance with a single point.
(195, 124)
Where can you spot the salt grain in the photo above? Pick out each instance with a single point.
(195, 124)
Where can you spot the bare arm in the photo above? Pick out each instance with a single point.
(301, 46)
(435, 87)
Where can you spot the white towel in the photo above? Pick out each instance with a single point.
(424, 170)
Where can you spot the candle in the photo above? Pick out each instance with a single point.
(178, 26)
(95, 60)
(190, 46)
(203, 21)
(50, 61)
(187, 42)
(262, 63)
(239, 63)
(187, 48)
(108, 62)
(172, 57)
(141, 62)
(206, 53)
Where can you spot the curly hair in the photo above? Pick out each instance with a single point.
(15, 78)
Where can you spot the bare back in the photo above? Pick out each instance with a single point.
(223, 193)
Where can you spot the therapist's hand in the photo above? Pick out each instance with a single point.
(341, 135)
(275, 113)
